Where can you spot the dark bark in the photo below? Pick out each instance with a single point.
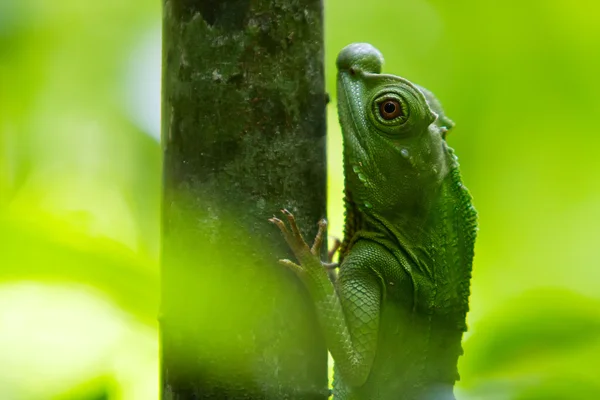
(244, 135)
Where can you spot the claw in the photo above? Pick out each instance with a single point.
(316, 248)
(330, 266)
(279, 224)
(293, 225)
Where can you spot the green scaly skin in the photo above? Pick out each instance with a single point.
(394, 318)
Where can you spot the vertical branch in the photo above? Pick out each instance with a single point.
(243, 131)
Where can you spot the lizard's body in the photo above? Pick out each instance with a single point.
(394, 318)
(421, 319)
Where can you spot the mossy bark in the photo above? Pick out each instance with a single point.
(243, 132)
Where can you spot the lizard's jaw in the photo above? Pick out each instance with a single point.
(350, 110)
(360, 164)
(354, 62)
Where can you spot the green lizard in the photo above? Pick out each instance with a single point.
(394, 318)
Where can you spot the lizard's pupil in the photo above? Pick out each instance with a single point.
(390, 109)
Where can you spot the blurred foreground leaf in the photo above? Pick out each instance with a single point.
(35, 253)
(544, 344)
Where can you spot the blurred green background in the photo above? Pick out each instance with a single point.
(80, 186)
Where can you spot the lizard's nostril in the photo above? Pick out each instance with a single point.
(360, 56)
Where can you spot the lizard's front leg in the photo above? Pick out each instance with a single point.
(348, 316)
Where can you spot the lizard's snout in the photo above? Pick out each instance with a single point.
(360, 57)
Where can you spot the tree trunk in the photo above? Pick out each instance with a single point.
(243, 132)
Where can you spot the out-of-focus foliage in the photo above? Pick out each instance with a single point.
(79, 199)
(80, 186)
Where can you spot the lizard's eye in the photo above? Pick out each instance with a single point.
(390, 109)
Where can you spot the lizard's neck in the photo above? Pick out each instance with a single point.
(409, 225)
(414, 220)
(354, 221)
(444, 228)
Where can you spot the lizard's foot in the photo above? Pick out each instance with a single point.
(309, 257)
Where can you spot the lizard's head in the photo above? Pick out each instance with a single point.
(394, 153)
